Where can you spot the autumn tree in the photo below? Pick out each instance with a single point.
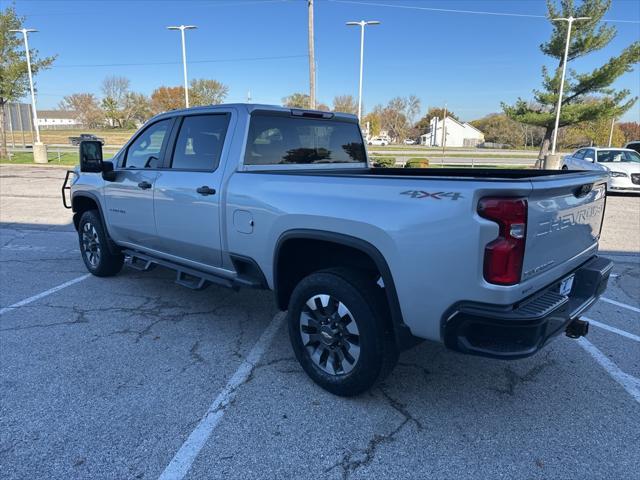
(630, 131)
(587, 96)
(594, 132)
(346, 104)
(297, 100)
(207, 92)
(86, 108)
(164, 99)
(398, 116)
(14, 79)
(498, 128)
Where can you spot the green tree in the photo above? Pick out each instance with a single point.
(587, 96)
(423, 124)
(204, 91)
(14, 79)
(116, 94)
(136, 110)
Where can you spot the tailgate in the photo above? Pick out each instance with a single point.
(564, 219)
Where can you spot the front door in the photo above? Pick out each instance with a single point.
(129, 199)
(187, 193)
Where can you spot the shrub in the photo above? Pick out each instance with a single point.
(417, 162)
(384, 162)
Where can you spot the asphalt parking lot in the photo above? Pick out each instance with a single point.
(136, 377)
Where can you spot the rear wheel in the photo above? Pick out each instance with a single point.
(94, 247)
(338, 330)
(564, 167)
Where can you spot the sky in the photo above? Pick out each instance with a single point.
(471, 62)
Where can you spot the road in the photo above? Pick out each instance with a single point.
(132, 376)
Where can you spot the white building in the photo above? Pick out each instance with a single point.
(57, 119)
(457, 134)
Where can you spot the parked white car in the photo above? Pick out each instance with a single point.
(409, 141)
(623, 165)
(378, 142)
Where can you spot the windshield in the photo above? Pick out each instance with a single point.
(610, 156)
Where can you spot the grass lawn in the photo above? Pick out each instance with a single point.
(66, 158)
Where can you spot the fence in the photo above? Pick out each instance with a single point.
(18, 124)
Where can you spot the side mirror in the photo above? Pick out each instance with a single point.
(108, 173)
(90, 156)
(588, 159)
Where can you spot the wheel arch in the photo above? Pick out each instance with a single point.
(84, 201)
(288, 248)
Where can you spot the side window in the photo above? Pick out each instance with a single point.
(284, 140)
(579, 154)
(144, 152)
(200, 142)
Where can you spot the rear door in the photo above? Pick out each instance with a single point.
(187, 190)
(564, 219)
(129, 199)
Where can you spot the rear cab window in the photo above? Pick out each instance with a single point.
(200, 141)
(277, 139)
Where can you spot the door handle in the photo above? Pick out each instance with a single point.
(144, 185)
(204, 190)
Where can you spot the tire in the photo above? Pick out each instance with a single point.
(94, 246)
(348, 356)
(564, 167)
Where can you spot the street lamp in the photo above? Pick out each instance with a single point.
(569, 21)
(182, 28)
(362, 24)
(24, 32)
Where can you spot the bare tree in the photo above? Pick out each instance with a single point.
(345, 103)
(86, 108)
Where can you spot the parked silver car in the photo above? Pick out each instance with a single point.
(623, 165)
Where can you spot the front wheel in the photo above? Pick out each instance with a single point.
(339, 331)
(94, 248)
(564, 167)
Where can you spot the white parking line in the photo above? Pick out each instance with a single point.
(630, 383)
(620, 304)
(604, 326)
(184, 458)
(26, 301)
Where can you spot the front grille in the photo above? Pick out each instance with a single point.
(635, 178)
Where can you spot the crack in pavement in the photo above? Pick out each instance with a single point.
(354, 460)
(514, 379)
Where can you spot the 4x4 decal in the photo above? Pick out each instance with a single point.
(436, 195)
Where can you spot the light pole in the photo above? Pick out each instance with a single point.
(362, 24)
(569, 21)
(24, 32)
(182, 28)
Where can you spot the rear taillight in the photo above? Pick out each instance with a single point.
(503, 256)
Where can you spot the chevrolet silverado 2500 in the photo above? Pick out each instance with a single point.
(366, 261)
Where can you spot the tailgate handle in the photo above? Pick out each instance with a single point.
(583, 190)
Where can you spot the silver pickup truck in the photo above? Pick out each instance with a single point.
(367, 261)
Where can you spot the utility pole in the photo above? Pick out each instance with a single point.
(569, 21)
(182, 28)
(362, 24)
(312, 59)
(444, 134)
(613, 122)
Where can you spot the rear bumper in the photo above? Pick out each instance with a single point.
(520, 330)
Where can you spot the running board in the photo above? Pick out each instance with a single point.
(185, 276)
